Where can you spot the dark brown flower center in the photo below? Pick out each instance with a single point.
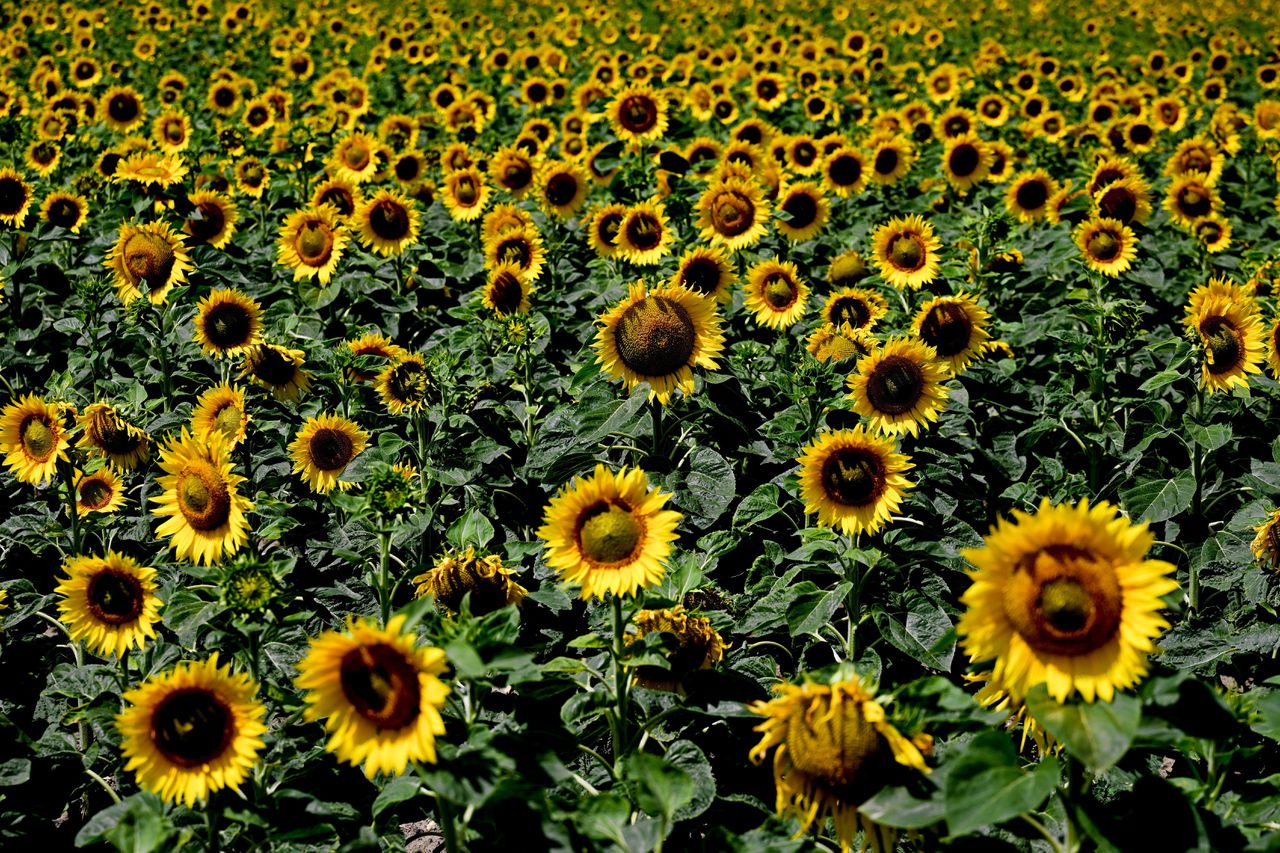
(643, 230)
(701, 275)
(907, 253)
(114, 597)
(1225, 345)
(655, 336)
(733, 214)
(965, 160)
(64, 212)
(895, 385)
(506, 292)
(148, 257)
(515, 250)
(210, 224)
(853, 477)
(340, 197)
(94, 492)
(802, 208)
(382, 685)
(887, 160)
(607, 228)
(844, 170)
(228, 325)
(1195, 202)
(465, 191)
(638, 113)
(192, 727)
(13, 196)
(112, 434)
(1119, 203)
(408, 383)
(331, 449)
(123, 107)
(1064, 601)
(1103, 246)
(562, 188)
(389, 220)
(853, 310)
(1032, 195)
(780, 291)
(947, 328)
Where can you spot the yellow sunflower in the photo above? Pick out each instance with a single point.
(603, 227)
(697, 646)
(707, 272)
(33, 439)
(64, 210)
(458, 573)
(519, 246)
(609, 533)
(1266, 544)
(149, 169)
(109, 603)
(221, 409)
(388, 222)
(562, 188)
(899, 387)
(192, 731)
(213, 219)
(806, 210)
(906, 252)
(835, 343)
(956, 328)
(506, 292)
(227, 323)
(966, 161)
(776, 293)
(733, 213)
(465, 194)
(97, 492)
(16, 197)
(844, 171)
(150, 259)
(323, 448)
(371, 346)
(853, 480)
(1029, 194)
(891, 159)
(1191, 197)
(644, 236)
(379, 694)
(1230, 330)
(311, 243)
(355, 158)
(105, 433)
(201, 497)
(1065, 597)
(403, 385)
(856, 306)
(835, 750)
(1108, 245)
(657, 336)
(638, 114)
(278, 369)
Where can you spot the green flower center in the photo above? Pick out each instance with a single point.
(609, 533)
(37, 439)
(228, 420)
(780, 292)
(1066, 605)
(906, 253)
(313, 243)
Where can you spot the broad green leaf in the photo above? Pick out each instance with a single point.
(814, 608)
(987, 784)
(899, 808)
(1159, 500)
(658, 787)
(471, 529)
(1098, 733)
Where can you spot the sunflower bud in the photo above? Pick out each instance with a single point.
(248, 587)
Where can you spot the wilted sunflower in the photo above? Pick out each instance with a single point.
(955, 326)
(278, 369)
(855, 306)
(506, 292)
(1028, 196)
(378, 692)
(906, 252)
(519, 246)
(1266, 544)
(403, 384)
(371, 346)
(323, 448)
(64, 210)
(457, 573)
(1229, 326)
(97, 492)
(201, 497)
(638, 114)
(697, 646)
(388, 222)
(15, 198)
(465, 194)
(212, 220)
(1108, 245)
(103, 431)
(806, 210)
(899, 387)
(109, 603)
(227, 323)
(707, 272)
(776, 293)
(192, 731)
(1065, 597)
(733, 213)
(609, 532)
(33, 438)
(853, 480)
(835, 750)
(311, 243)
(657, 336)
(221, 409)
(147, 259)
(847, 269)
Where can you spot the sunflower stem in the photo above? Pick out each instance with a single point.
(659, 439)
(211, 827)
(111, 792)
(124, 670)
(384, 558)
(448, 827)
(853, 601)
(619, 682)
(68, 477)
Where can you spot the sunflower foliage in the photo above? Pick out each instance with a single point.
(597, 427)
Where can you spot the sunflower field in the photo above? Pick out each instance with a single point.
(686, 426)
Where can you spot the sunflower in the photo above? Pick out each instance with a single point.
(121, 108)
(1214, 233)
(97, 492)
(644, 236)
(832, 342)
(638, 114)
(221, 409)
(733, 213)
(1028, 196)
(609, 533)
(192, 731)
(1191, 197)
(171, 130)
(148, 169)
(355, 158)
(844, 171)
(899, 387)
(697, 646)
(1108, 245)
(1127, 200)
(201, 497)
(1065, 597)
(342, 196)
(657, 336)
(806, 210)
(311, 243)
(853, 480)
(855, 306)
(1230, 330)
(65, 210)
(33, 438)
(16, 196)
(1198, 154)
(891, 159)
(603, 227)
(519, 246)
(707, 272)
(506, 292)
(109, 603)
(562, 188)
(956, 327)
(776, 293)
(323, 448)
(227, 323)
(465, 194)
(278, 369)
(104, 432)
(370, 347)
(388, 222)
(150, 256)
(457, 573)
(213, 219)
(906, 252)
(513, 170)
(835, 749)
(403, 384)
(1266, 544)
(966, 161)
(378, 692)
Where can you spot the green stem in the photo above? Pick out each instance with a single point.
(448, 826)
(619, 681)
(1197, 474)
(68, 477)
(384, 558)
(655, 414)
(853, 600)
(124, 670)
(211, 826)
(1044, 832)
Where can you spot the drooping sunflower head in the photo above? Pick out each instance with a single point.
(109, 603)
(97, 492)
(836, 343)
(221, 409)
(835, 749)
(147, 259)
(906, 252)
(638, 114)
(658, 336)
(404, 385)
(707, 272)
(204, 508)
(388, 222)
(956, 328)
(1108, 245)
(278, 369)
(899, 387)
(697, 645)
(609, 533)
(323, 448)
(1229, 326)
(106, 433)
(806, 210)
(33, 438)
(311, 243)
(192, 731)
(506, 292)
(855, 306)
(853, 480)
(379, 694)
(847, 269)
(1065, 597)
(460, 573)
(228, 323)
(776, 293)
(732, 213)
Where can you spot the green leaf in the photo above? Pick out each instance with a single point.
(1159, 500)
(471, 529)
(763, 503)
(899, 808)
(1209, 437)
(658, 787)
(814, 608)
(1098, 733)
(1268, 708)
(396, 791)
(925, 632)
(1160, 380)
(15, 771)
(710, 487)
(986, 784)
